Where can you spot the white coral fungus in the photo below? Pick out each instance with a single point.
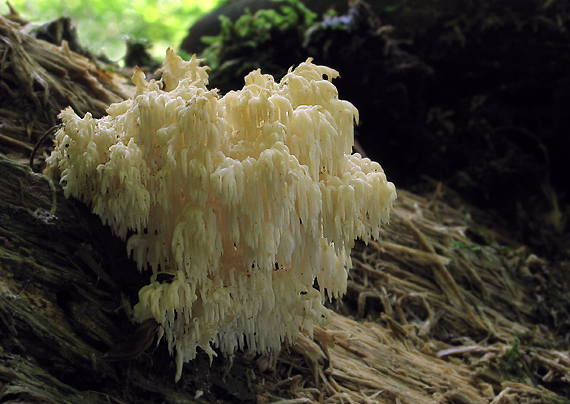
(247, 199)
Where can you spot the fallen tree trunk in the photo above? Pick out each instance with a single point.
(440, 309)
(430, 317)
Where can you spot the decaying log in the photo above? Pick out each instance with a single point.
(441, 309)
(66, 288)
(39, 79)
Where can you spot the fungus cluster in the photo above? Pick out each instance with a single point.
(252, 200)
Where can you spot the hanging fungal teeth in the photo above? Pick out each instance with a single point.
(243, 200)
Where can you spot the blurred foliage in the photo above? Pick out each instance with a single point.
(104, 26)
(254, 29)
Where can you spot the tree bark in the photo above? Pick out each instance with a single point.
(65, 289)
(440, 310)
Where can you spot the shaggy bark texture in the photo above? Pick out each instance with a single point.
(446, 307)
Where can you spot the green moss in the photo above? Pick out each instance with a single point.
(253, 37)
(458, 245)
(513, 355)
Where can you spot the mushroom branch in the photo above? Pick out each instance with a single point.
(252, 201)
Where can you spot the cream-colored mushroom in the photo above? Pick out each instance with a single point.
(247, 198)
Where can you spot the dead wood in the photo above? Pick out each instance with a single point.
(440, 309)
(39, 79)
